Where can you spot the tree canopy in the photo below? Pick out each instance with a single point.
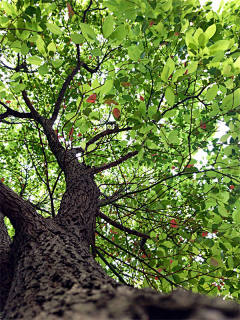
(135, 89)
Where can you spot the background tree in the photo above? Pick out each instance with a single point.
(103, 108)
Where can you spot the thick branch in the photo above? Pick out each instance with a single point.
(121, 227)
(6, 263)
(11, 112)
(36, 116)
(114, 163)
(23, 217)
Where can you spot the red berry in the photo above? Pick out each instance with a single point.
(232, 186)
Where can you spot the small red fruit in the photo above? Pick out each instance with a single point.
(232, 186)
(204, 233)
(79, 135)
(152, 23)
(141, 98)
(204, 126)
(173, 167)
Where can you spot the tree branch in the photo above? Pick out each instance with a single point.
(62, 92)
(121, 227)
(114, 163)
(24, 218)
(111, 267)
(35, 115)
(11, 112)
(188, 98)
(86, 11)
(101, 135)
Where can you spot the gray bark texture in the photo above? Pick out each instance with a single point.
(53, 275)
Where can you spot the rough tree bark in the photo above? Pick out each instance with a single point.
(56, 277)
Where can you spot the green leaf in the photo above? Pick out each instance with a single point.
(165, 73)
(203, 40)
(120, 33)
(34, 60)
(159, 27)
(211, 31)
(134, 53)
(43, 69)
(24, 49)
(178, 74)
(108, 26)
(218, 56)
(171, 65)
(8, 8)
(127, 97)
(142, 108)
(140, 154)
(77, 38)
(173, 137)
(88, 32)
(40, 45)
(54, 28)
(166, 5)
(223, 212)
(91, 147)
(71, 116)
(219, 45)
(57, 63)
(212, 92)
(51, 47)
(106, 87)
(236, 215)
(170, 97)
(83, 144)
(96, 52)
(192, 66)
(237, 63)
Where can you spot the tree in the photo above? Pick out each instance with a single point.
(104, 105)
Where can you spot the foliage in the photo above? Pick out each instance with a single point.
(159, 75)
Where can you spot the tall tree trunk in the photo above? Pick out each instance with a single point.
(56, 277)
(6, 262)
